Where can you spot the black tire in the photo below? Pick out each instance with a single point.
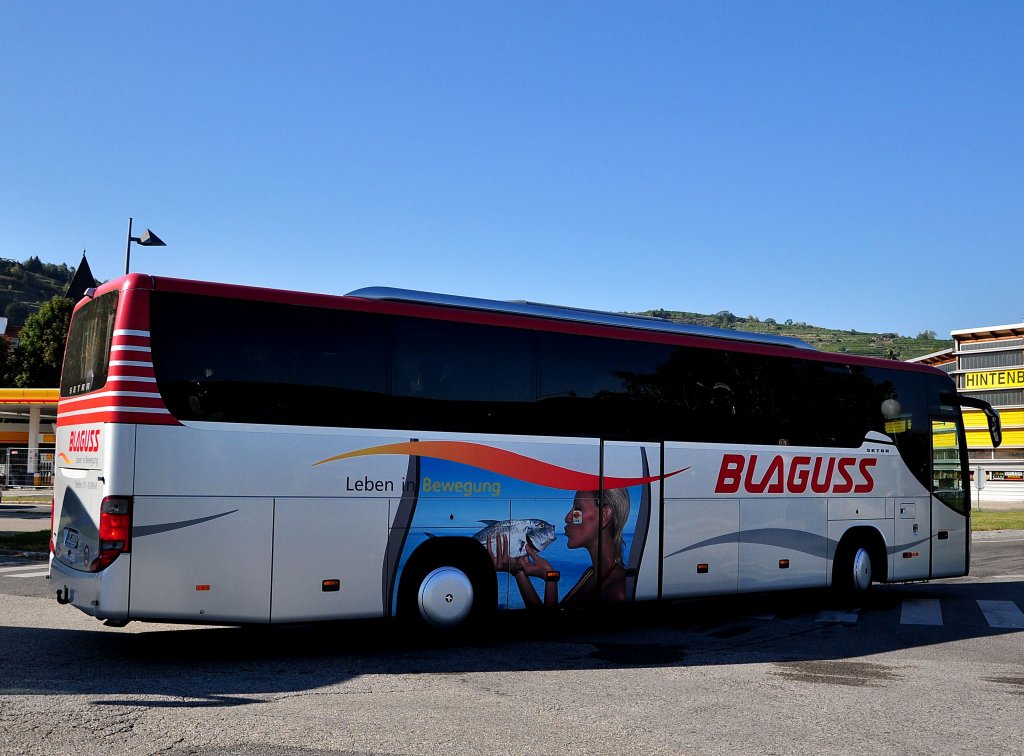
(448, 585)
(852, 568)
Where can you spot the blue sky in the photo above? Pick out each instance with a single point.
(848, 164)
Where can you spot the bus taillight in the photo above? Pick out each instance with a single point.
(115, 530)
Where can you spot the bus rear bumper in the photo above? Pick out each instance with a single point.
(103, 594)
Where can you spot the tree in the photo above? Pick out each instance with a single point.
(33, 264)
(41, 350)
(7, 364)
(16, 313)
(926, 334)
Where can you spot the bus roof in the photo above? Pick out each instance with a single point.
(387, 297)
(573, 314)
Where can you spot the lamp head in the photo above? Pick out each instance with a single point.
(149, 239)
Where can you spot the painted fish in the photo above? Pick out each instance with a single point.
(538, 533)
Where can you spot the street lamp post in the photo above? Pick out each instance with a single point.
(148, 239)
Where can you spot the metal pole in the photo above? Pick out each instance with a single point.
(128, 247)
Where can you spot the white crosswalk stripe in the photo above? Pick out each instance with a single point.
(41, 573)
(24, 570)
(21, 567)
(1002, 614)
(921, 612)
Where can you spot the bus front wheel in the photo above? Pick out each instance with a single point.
(852, 572)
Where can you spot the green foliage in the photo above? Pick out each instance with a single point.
(17, 312)
(7, 364)
(35, 541)
(1005, 520)
(41, 351)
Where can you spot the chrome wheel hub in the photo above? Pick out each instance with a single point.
(445, 597)
(861, 570)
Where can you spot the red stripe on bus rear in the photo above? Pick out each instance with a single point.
(104, 400)
(127, 417)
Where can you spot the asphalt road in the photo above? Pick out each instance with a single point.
(24, 517)
(927, 668)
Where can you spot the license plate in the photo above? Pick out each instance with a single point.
(71, 538)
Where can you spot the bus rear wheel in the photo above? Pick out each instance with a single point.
(447, 589)
(445, 597)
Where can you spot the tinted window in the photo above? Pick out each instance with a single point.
(949, 458)
(462, 377)
(601, 387)
(900, 410)
(87, 357)
(239, 361)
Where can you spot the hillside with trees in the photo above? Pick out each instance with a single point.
(891, 346)
(32, 298)
(25, 286)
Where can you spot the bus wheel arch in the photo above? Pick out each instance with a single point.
(448, 582)
(859, 560)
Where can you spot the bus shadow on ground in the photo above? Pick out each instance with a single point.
(232, 666)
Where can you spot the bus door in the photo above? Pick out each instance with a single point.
(632, 483)
(950, 515)
(951, 501)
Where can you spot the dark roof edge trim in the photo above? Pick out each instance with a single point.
(573, 314)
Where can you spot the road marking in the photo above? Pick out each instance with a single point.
(34, 566)
(836, 615)
(1002, 614)
(999, 540)
(29, 575)
(921, 612)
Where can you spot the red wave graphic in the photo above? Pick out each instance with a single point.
(502, 462)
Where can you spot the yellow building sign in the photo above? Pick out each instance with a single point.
(995, 379)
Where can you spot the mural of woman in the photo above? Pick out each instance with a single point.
(589, 525)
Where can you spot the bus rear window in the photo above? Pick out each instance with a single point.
(88, 353)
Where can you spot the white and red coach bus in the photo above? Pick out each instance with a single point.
(239, 455)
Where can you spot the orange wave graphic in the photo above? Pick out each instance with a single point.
(503, 462)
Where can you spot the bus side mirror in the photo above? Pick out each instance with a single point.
(995, 426)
